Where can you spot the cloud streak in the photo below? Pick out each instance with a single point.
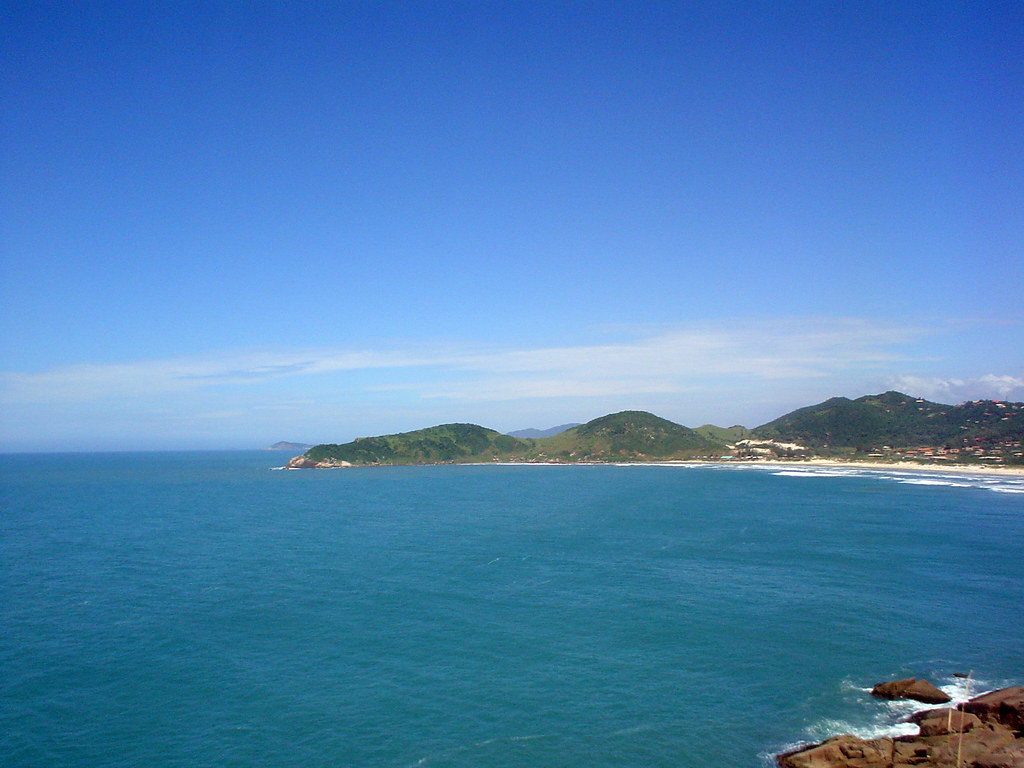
(93, 381)
(659, 361)
(953, 390)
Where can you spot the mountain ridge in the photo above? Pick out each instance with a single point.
(895, 422)
(539, 433)
(887, 426)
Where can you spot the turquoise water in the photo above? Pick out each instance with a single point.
(198, 609)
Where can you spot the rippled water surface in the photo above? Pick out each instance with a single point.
(200, 609)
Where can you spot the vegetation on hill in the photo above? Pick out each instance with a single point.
(889, 425)
(538, 433)
(629, 436)
(626, 436)
(723, 434)
(434, 445)
(895, 421)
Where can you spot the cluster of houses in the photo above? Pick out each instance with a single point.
(1004, 451)
(767, 449)
(1008, 451)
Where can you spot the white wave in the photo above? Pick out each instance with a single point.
(890, 718)
(848, 685)
(827, 728)
(807, 473)
(898, 710)
(960, 689)
(523, 464)
(1005, 489)
(929, 481)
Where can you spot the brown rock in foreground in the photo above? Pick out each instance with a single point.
(840, 751)
(935, 722)
(1009, 756)
(911, 688)
(1003, 706)
(987, 733)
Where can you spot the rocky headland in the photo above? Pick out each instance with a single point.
(304, 462)
(984, 732)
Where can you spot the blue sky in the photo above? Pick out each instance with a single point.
(225, 225)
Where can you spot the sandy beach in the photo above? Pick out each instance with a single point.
(898, 466)
(893, 466)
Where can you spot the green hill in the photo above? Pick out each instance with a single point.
(627, 436)
(446, 443)
(891, 424)
(896, 421)
(723, 434)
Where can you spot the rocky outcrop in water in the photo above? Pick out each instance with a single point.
(985, 732)
(911, 688)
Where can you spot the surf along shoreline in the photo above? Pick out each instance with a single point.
(986, 731)
(986, 470)
(895, 466)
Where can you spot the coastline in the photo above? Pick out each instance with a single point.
(895, 466)
(300, 462)
(982, 732)
(823, 463)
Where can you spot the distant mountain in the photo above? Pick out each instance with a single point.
(629, 436)
(446, 443)
(889, 425)
(626, 436)
(723, 434)
(285, 446)
(536, 434)
(895, 421)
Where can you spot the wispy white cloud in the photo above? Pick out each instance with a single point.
(954, 390)
(658, 361)
(527, 388)
(92, 381)
(1004, 385)
(681, 359)
(740, 372)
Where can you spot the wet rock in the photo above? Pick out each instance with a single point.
(1008, 756)
(911, 688)
(846, 751)
(987, 733)
(1004, 706)
(979, 743)
(936, 722)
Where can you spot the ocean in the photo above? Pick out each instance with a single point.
(201, 609)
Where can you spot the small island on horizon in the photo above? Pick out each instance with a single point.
(284, 445)
(889, 428)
